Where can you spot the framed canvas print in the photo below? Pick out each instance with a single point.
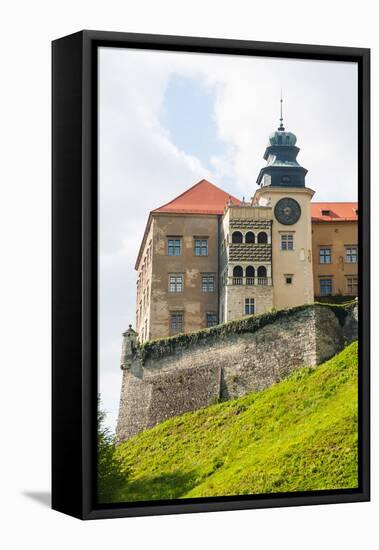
(210, 274)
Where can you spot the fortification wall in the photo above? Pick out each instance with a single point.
(188, 372)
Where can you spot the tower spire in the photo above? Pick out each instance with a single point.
(281, 127)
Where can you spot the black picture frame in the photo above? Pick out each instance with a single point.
(74, 271)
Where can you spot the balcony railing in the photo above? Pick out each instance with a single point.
(252, 281)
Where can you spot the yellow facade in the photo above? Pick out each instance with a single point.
(292, 275)
(335, 257)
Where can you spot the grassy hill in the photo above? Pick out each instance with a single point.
(300, 434)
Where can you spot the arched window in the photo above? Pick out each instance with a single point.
(262, 271)
(237, 271)
(249, 237)
(250, 271)
(262, 237)
(237, 275)
(250, 274)
(237, 237)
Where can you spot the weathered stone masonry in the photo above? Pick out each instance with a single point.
(188, 372)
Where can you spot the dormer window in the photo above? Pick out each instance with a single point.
(325, 212)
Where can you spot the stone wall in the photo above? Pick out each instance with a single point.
(235, 299)
(186, 373)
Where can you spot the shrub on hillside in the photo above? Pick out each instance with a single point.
(110, 474)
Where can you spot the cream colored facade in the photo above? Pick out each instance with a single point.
(144, 268)
(242, 287)
(291, 265)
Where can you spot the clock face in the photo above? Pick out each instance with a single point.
(287, 211)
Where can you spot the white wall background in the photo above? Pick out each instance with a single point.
(27, 29)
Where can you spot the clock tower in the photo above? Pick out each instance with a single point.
(282, 186)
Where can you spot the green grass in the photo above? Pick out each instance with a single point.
(298, 435)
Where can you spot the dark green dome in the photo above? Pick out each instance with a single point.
(282, 168)
(280, 137)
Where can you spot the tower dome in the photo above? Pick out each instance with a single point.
(282, 168)
(281, 137)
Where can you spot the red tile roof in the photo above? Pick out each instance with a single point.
(205, 198)
(334, 211)
(201, 198)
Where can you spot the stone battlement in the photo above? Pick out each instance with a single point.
(168, 377)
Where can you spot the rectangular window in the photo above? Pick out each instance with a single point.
(351, 254)
(352, 285)
(207, 283)
(176, 322)
(325, 255)
(201, 247)
(288, 279)
(286, 242)
(211, 319)
(173, 246)
(326, 287)
(249, 306)
(175, 283)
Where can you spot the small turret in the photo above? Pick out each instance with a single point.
(129, 339)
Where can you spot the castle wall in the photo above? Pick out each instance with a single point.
(235, 296)
(182, 389)
(133, 414)
(229, 364)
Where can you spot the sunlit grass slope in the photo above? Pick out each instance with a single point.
(300, 434)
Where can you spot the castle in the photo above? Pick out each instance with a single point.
(208, 258)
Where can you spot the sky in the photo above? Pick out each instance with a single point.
(168, 120)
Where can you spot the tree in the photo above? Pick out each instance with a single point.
(110, 473)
